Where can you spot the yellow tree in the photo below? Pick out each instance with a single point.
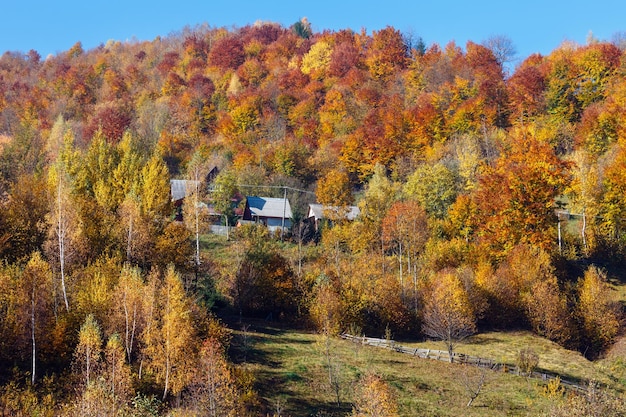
(62, 220)
(405, 232)
(154, 195)
(613, 208)
(194, 205)
(128, 307)
(155, 189)
(374, 398)
(134, 229)
(37, 286)
(547, 312)
(447, 313)
(510, 287)
(170, 338)
(598, 312)
(316, 61)
(117, 373)
(214, 389)
(24, 230)
(334, 192)
(585, 195)
(434, 187)
(88, 350)
(380, 194)
(126, 173)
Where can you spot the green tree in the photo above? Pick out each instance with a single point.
(434, 186)
(222, 196)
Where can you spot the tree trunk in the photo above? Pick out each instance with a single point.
(130, 237)
(61, 231)
(167, 377)
(32, 333)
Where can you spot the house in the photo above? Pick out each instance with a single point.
(180, 188)
(275, 213)
(319, 212)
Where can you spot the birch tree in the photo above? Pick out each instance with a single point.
(37, 286)
(129, 307)
(61, 220)
(169, 339)
(89, 348)
(214, 391)
(194, 207)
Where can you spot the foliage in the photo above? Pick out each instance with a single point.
(447, 313)
(527, 361)
(434, 187)
(375, 398)
(599, 313)
(493, 185)
(169, 336)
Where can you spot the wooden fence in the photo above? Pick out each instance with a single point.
(460, 358)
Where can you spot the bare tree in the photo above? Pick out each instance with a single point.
(473, 381)
(502, 47)
(619, 39)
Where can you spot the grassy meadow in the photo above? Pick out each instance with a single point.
(302, 373)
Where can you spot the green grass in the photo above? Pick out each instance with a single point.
(292, 373)
(215, 246)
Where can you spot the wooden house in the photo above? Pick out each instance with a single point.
(275, 213)
(318, 213)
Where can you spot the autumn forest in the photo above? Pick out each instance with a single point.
(491, 197)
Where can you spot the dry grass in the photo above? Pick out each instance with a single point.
(504, 347)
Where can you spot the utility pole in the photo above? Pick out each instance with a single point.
(282, 229)
(559, 228)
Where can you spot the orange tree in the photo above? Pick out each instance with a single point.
(516, 197)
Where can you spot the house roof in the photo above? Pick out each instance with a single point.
(178, 188)
(269, 207)
(317, 211)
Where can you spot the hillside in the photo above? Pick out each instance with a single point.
(456, 201)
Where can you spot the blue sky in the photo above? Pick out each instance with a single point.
(533, 25)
